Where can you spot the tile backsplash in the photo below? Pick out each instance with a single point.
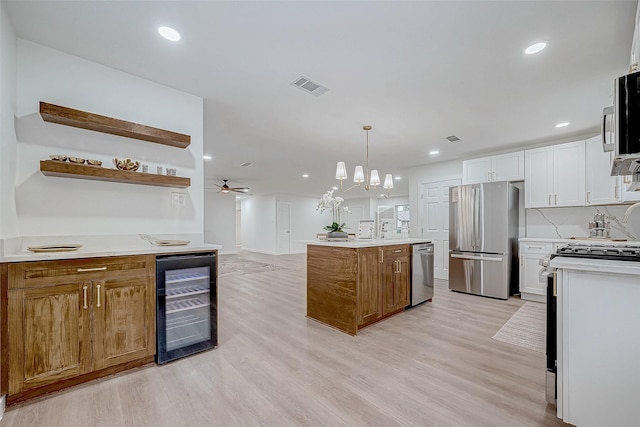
(566, 223)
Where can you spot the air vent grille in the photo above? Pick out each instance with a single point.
(246, 164)
(305, 84)
(453, 139)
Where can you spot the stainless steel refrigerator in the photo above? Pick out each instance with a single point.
(483, 239)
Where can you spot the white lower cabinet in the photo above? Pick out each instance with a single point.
(532, 286)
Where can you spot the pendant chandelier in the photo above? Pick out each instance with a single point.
(371, 179)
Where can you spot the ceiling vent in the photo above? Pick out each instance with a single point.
(246, 164)
(453, 139)
(303, 83)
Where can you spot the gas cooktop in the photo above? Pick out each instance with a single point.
(619, 252)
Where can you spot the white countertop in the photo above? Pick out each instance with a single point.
(15, 250)
(367, 243)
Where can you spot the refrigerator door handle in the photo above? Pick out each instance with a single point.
(477, 257)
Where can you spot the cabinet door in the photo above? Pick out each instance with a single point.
(49, 334)
(369, 294)
(476, 170)
(569, 174)
(388, 286)
(124, 320)
(531, 282)
(601, 187)
(508, 167)
(402, 282)
(538, 183)
(624, 195)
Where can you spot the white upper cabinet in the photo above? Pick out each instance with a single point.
(602, 188)
(555, 176)
(503, 167)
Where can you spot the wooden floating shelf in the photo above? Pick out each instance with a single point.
(83, 120)
(97, 173)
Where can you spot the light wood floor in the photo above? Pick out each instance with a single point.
(434, 365)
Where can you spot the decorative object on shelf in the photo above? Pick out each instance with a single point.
(224, 188)
(359, 176)
(77, 160)
(126, 165)
(145, 168)
(171, 171)
(58, 157)
(75, 170)
(334, 230)
(94, 162)
(159, 170)
(599, 228)
(90, 121)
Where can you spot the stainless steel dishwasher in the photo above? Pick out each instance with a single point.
(422, 273)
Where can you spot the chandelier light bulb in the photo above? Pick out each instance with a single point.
(358, 175)
(341, 171)
(388, 181)
(375, 178)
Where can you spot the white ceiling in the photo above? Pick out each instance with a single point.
(416, 71)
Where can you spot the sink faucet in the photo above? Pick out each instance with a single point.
(630, 209)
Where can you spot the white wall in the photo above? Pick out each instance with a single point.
(259, 224)
(65, 206)
(306, 222)
(259, 227)
(8, 142)
(220, 220)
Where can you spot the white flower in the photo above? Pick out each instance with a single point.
(329, 202)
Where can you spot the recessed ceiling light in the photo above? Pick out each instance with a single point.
(334, 188)
(207, 157)
(169, 33)
(305, 175)
(563, 124)
(398, 178)
(433, 152)
(535, 48)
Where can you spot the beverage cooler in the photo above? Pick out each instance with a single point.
(186, 306)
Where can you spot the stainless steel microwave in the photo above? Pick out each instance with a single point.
(621, 126)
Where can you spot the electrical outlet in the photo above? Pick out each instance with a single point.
(178, 199)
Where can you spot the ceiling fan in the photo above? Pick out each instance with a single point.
(224, 188)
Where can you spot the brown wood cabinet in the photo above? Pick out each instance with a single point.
(73, 319)
(349, 288)
(395, 278)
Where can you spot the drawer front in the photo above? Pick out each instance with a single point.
(536, 248)
(395, 251)
(48, 273)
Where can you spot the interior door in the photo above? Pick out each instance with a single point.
(434, 222)
(284, 227)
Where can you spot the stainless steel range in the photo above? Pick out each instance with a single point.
(614, 251)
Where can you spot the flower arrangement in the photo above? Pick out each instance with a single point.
(329, 202)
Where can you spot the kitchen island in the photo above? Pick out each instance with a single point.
(598, 379)
(353, 284)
